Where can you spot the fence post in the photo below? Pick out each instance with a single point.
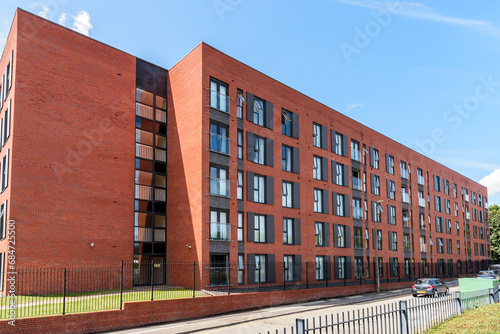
(492, 297)
(404, 317)
(300, 325)
(121, 287)
(152, 279)
(64, 293)
(307, 275)
(228, 279)
(458, 302)
(259, 277)
(194, 278)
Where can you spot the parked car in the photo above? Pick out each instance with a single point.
(488, 274)
(429, 287)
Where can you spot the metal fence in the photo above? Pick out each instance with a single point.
(408, 316)
(50, 291)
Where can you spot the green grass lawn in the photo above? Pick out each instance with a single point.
(480, 320)
(33, 306)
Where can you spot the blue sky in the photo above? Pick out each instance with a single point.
(423, 73)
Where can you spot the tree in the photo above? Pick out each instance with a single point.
(494, 221)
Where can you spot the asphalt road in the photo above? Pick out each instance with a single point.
(279, 317)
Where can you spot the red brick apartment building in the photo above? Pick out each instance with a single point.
(106, 157)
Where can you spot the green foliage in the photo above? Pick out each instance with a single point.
(494, 220)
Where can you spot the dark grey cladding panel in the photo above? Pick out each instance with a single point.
(421, 209)
(404, 182)
(219, 247)
(219, 159)
(423, 255)
(356, 193)
(422, 233)
(241, 164)
(359, 252)
(219, 203)
(407, 253)
(240, 123)
(241, 205)
(420, 187)
(405, 206)
(219, 116)
(356, 164)
(241, 247)
(357, 223)
(406, 230)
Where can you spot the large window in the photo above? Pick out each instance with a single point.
(406, 243)
(258, 111)
(341, 267)
(357, 210)
(218, 95)
(260, 228)
(260, 268)
(318, 167)
(240, 226)
(219, 227)
(289, 124)
(391, 189)
(287, 231)
(358, 237)
(439, 224)
(240, 144)
(219, 183)
(259, 190)
(319, 234)
(389, 159)
(375, 184)
(440, 245)
(341, 177)
(289, 267)
(341, 205)
(286, 156)
(374, 158)
(259, 148)
(316, 135)
(287, 196)
(239, 103)
(241, 269)
(358, 267)
(318, 200)
(219, 141)
(3, 223)
(355, 154)
(320, 268)
(376, 212)
(340, 236)
(392, 215)
(393, 241)
(339, 144)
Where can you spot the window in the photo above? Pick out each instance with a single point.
(423, 245)
(456, 209)
(458, 247)
(287, 194)
(259, 150)
(288, 231)
(455, 190)
(219, 227)
(440, 246)
(355, 154)
(392, 215)
(259, 188)
(476, 252)
(391, 189)
(446, 186)
(260, 228)
(341, 267)
(3, 223)
(319, 234)
(260, 268)
(439, 224)
(341, 205)
(437, 183)
(404, 171)
(406, 219)
(457, 227)
(219, 141)
(339, 144)
(341, 176)
(389, 163)
(475, 232)
(289, 124)
(288, 267)
(421, 199)
(379, 239)
(218, 95)
(6, 124)
(380, 267)
(240, 226)
(239, 194)
(449, 246)
(318, 168)
(258, 111)
(394, 266)
(240, 144)
(406, 243)
(320, 200)
(404, 195)
(241, 269)
(239, 103)
(407, 267)
(340, 237)
(438, 204)
(357, 210)
(219, 183)
(320, 268)
(358, 267)
(319, 136)
(374, 158)
(358, 237)
(375, 184)
(393, 241)
(481, 233)
(367, 238)
(376, 212)
(421, 218)
(448, 226)
(356, 180)
(286, 156)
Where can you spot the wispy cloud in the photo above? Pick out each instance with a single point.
(420, 11)
(468, 163)
(44, 12)
(351, 106)
(82, 23)
(492, 182)
(62, 18)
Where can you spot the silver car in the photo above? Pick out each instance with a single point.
(429, 287)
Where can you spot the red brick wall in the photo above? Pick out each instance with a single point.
(72, 168)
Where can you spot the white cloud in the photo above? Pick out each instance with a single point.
(420, 11)
(62, 19)
(492, 182)
(44, 12)
(82, 22)
(351, 106)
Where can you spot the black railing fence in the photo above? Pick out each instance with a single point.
(29, 292)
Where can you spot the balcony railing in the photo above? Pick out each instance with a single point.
(405, 197)
(407, 246)
(219, 143)
(358, 242)
(219, 231)
(357, 212)
(404, 173)
(421, 202)
(421, 180)
(392, 220)
(219, 101)
(355, 154)
(356, 183)
(219, 187)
